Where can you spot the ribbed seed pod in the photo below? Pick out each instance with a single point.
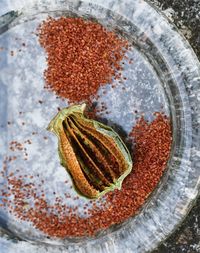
(93, 153)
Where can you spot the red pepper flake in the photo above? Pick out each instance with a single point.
(81, 56)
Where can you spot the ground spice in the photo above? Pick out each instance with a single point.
(81, 56)
(152, 143)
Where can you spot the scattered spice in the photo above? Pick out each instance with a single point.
(152, 143)
(81, 56)
(28, 141)
(15, 145)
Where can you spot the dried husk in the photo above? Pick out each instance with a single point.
(92, 153)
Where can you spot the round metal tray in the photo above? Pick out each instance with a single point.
(165, 73)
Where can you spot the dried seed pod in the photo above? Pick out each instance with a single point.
(93, 153)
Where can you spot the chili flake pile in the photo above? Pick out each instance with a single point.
(81, 56)
(152, 143)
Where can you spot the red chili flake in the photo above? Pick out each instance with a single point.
(81, 56)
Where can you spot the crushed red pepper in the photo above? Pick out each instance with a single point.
(152, 143)
(81, 56)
